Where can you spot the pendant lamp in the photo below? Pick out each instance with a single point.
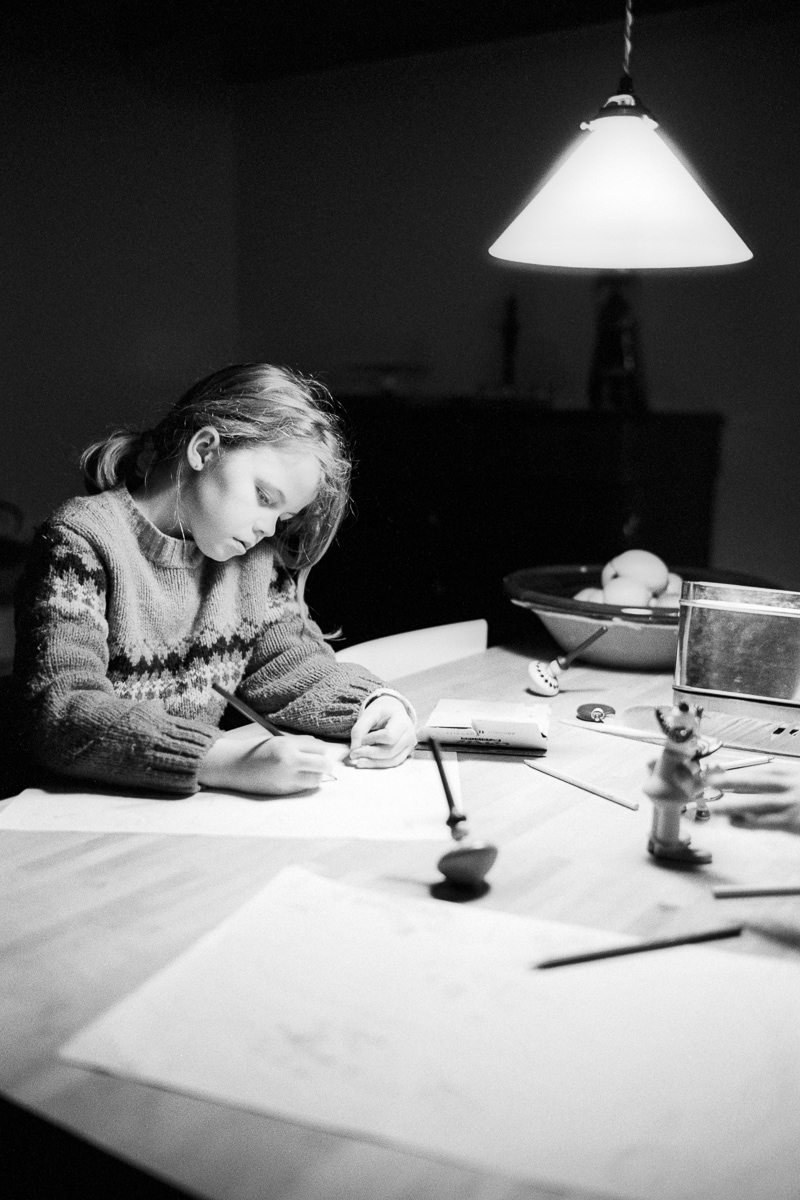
(621, 200)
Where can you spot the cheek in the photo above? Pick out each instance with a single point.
(206, 510)
(215, 496)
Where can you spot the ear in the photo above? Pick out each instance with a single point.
(662, 718)
(201, 447)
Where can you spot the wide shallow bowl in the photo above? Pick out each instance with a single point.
(636, 638)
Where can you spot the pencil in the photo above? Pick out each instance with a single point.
(686, 939)
(777, 889)
(247, 711)
(578, 783)
(744, 762)
(625, 731)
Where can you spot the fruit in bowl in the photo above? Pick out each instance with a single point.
(641, 627)
(648, 569)
(635, 579)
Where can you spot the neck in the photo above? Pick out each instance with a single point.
(157, 499)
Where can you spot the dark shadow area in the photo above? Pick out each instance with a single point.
(44, 1162)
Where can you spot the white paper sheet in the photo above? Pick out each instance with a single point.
(666, 1076)
(392, 804)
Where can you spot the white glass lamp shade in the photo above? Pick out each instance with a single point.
(621, 200)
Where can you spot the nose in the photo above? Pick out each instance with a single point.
(265, 525)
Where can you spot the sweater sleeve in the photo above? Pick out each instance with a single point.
(295, 678)
(71, 721)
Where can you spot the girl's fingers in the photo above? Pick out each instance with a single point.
(751, 807)
(384, 755)
(374, 764)
(746, 787)
(763, 814)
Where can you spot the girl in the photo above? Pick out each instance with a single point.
(184, 567)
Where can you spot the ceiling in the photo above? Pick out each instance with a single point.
(269, 38)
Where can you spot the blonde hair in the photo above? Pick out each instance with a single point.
(248, 404)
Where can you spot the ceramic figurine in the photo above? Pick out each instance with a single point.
(677, 780)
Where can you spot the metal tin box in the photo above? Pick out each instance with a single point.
(739, 656)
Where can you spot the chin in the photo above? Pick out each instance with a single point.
(219, 553)
(225, 550)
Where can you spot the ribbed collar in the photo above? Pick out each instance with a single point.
(156, 546)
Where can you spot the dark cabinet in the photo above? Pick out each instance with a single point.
(450, 495)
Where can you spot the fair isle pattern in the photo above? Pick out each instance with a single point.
(121, 632)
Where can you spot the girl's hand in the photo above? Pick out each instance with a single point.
(762, 797)
(274, 766)
(762, 814)
(771, 778)
(384, 734)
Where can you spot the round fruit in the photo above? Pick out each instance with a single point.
(595, 595)
(674, 585)
(630, 592)
(666, 600)
(641, 565)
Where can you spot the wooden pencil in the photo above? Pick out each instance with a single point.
(579, 783)
(686, 939)
(249, 712)
(736, 893)
(759, 761)
(624, 731)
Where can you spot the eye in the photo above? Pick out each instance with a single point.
(265, 499)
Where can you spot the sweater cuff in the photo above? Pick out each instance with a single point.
(177, 756)
(385, 691)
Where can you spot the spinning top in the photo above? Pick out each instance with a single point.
(467, 863)
(544, 676)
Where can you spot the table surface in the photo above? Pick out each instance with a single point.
(87, 918)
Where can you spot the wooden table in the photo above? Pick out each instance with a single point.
(86, 918)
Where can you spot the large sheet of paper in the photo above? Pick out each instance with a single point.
(397, 803)
(667, 1075)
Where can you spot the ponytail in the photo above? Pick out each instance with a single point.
(113, 460)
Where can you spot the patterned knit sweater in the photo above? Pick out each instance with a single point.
(121, 632)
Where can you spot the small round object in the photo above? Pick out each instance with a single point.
(627, 593)
(595, 712)
(640, 565)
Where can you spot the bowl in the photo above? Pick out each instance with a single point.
(644, 639)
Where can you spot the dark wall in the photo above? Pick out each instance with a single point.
(118, 251)
(369, 197)
(156, 223)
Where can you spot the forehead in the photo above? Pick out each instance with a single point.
(293, 471)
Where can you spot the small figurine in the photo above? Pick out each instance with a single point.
(677, 780)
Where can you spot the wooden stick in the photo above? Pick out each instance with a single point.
(744, 762)
(579, 783)
(625, 731)
(564, 660)
(778, 889)
(247, 711)
(686, 939)
(455, 818)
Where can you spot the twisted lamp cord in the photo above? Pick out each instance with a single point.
(626, 58)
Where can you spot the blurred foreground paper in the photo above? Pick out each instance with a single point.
(668, 1075)
(398, 803)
